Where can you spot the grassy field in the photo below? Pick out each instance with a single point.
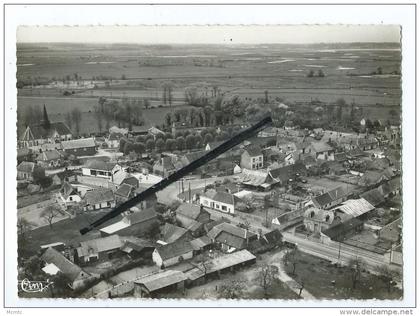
(318, 274)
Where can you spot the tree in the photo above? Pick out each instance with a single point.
(99, 120)
(208, 138)
(68, 119)
(49, 213)
(233, 289)
(139, 147)
(122, 144)
(61, 286)
(146, 103)
(291, 258)
(180, 141)
(190, 142)
(32, 267)
(356, 265)
(266, 96)
(170, 144)
(321, 73)
(160, 145)
(150, 144)
(128, 147)
(387, 275)
(76, 116)
(266, 276)
(38, 174)
(198, 141)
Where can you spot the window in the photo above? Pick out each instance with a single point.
(312, 214)
(327, 218)
(70, 198)
(224, 208)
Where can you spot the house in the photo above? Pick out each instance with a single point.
(98, 249)
(172, 253)
(50, 159)
(164, 167)
(201, 243)
(354, 207)
(252, 158)
(171, 233)
(373, 196)
(288, 219)
(320, 150)
(123, 193)
(285, 145)
(257, 179)
(266, 242)
(25, 170)
(164, 281)
(137, 223)
(24, 154)
(99, 199)
(371, 178)
(69, 194)
(221, 201)
(57, 262)
(390, 188)
(231, 238)
(101, 169)
(192, 217)
(80, 147)
(131, 180)
(341, 231)
(287, 174)
(46, 132)
(113, 140)
(316, 220)
(67, 176)
(137, 247)
(330, 199)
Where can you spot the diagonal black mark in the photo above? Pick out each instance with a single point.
(235, 140)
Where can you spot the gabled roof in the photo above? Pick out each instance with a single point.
(115, 136)
(99, 245)
(200, 242)
(161, 279)
(67, 267)
(67, 190)
(78, 143)
(226, 198)
(172, 233)
(285, 173)
(41, 132)
(321, 147)
(189, 210)
(337, 232)
(373, 196)
(328, 197)
(99, 196)
(174, 249)
(231, 230)
(124, 190)
(190, 157)
(100, 165)
(254, 150)
(131, 180)
(49, 155)
(26, 166)
(141, 216)
(355, 207)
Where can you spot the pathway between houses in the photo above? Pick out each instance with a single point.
(277, 260)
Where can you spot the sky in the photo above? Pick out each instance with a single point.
(292, 34)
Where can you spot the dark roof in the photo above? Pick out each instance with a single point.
(189, 210)
(99, 245)
(79, 143)
(328, 197)
(254, 150)
(272, 238)
(131, 180)
(231, 230)
(67, 267)
(283, 174)
(373, 196)
(67, 190)
(174, 249)
(100, 165)
(99, 196)
(40, 132)
(338, 232)
(225, 197)
(231, 240)
(200, 242)
(141, 216)
(49, 155)
(390, 186)
(115, 136)
(171, 232)
(124, 190)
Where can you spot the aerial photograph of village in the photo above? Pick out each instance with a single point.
(261, 171)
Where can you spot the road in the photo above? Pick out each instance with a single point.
(340, 254)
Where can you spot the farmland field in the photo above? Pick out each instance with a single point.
(367, 74)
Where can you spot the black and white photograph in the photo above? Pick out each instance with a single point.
(210, 162)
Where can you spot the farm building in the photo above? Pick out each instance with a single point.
(330, 198)
(101, 169)
(98, 249)
(80, 147)
(69, 194)
(160, 282)
(192, 217)
(221, 201)
(252, 158)
(173, 253)
(55, 262)
(99, 199)
(138, 223)
(25, 170)
(231, 238)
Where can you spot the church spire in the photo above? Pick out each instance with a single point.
(45, 120)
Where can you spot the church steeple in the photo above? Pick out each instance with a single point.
(45, 120)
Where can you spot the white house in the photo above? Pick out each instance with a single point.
(101, 169)
(221, 201)
(170, 254)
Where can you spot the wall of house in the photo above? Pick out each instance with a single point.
(207, 202)
(24, 176)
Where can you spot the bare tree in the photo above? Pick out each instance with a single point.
(357, 265)
(266, 276)
(232, 289)
(291, 258)
(49, 213)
